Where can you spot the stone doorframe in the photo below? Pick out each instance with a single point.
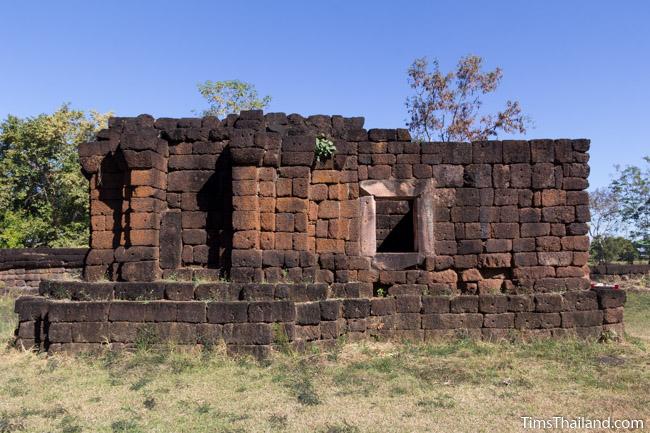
(422, 194)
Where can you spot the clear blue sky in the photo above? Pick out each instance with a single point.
(579, 68)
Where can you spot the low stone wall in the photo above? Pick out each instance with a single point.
(24, 268)
(252, 318)
(620, 269)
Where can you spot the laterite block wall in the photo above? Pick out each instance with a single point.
(22, 269)
(245, 199)
(253, 317)
(231, 226)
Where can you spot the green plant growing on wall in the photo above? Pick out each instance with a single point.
(324, 148)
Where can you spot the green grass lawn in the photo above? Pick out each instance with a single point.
(462, 386)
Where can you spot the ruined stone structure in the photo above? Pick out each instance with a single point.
(205, 229)
(22, 269)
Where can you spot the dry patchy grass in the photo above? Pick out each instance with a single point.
(361, 387)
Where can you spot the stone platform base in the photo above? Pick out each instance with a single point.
(75, 316)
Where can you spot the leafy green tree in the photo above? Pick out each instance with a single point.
(601, 250)
(606, 249)
(231, 96)
(447, 106)
(43, 195)
(632, 187)
(629, 252)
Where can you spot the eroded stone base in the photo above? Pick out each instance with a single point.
(252, 318)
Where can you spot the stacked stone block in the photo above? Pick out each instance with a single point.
(620, 269)
(244, 199)
(127, 169)
(252, 317)
(22, 269)
(510, 216)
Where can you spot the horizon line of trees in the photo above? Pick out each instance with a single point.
(620, 216)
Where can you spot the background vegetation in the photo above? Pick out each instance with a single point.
(43, 195)
(620, 216)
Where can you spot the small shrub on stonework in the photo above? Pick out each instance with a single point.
(60, 293)
(207, 345)
(324, 148)
(608, 336)
(281, 339)
(171, 277)
(146, 338)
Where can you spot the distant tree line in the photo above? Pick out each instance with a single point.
(620, 216)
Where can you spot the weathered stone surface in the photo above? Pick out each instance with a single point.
(581, 300)
(573, 319)
(452, 321)
(502, 320)
(610, 298)
(308, 313)
(464, 304)
(227, 312)
(493, 303)
(248, 333)
(549, 302)
(354, 308)
(170, 240)
(192, 312)
(499, 226)
(435, 304)
(528, 320)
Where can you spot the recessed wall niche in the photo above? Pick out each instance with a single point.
(395, 225)
(397, 222)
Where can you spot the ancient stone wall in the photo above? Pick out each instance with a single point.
(235, 225)
(620, 269)
(253, 317)
(497, 216)
(22, 269)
